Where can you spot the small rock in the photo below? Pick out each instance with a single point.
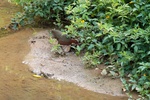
(47, 75)
(24, 62)
(33, 41)
(96, 68)
(104, 72)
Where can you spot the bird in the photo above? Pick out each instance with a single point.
(63, 39)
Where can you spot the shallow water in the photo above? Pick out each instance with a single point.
(7, 11)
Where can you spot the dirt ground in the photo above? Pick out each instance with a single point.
(69, 68)
(18, 83)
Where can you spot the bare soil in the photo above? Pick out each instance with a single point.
(69, 68)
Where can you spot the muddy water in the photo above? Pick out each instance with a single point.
(7, 10)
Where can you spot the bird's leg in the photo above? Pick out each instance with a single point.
(63, 52)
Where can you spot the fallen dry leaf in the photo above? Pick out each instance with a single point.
(37, 76)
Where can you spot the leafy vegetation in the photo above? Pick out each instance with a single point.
(44, 12)
(114, 32)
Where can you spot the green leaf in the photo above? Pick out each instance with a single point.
(94, 40)
(139, 88)
(78, 48)
(137, 6)
(105, 39)
(56, 1)
(118, 46)
(98, 35)
(140, 15)
(91, 46)
(83, 46)
(135, 48)
(133, 87)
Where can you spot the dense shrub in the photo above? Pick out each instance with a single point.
(114, 32)
(43, 12)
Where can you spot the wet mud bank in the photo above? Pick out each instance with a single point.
(70, 68)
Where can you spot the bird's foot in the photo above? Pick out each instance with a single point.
(60, 54)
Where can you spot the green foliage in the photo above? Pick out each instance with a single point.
(43, 12)
(115, 32)
(141, 79)
(91, 60)
(56, 47)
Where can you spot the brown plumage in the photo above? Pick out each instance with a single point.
(62, 39)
